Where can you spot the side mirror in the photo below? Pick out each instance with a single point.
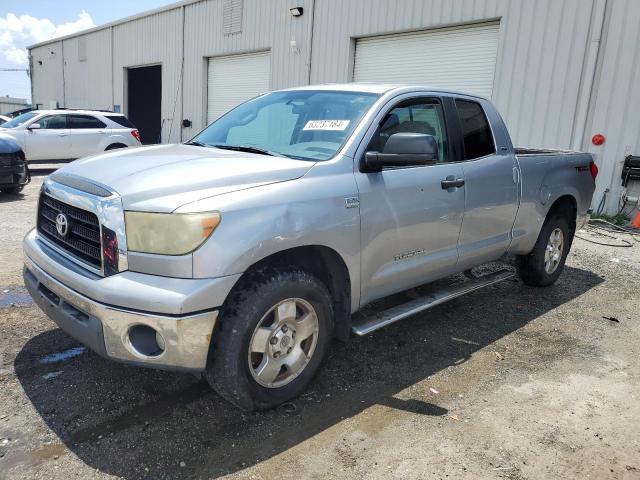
(404, 149)
(34, 126)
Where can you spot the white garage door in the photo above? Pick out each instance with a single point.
(235, 79)
(461, 58)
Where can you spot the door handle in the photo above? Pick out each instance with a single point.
(452, 182)
(63, 134)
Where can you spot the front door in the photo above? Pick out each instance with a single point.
(409, 223)
(50, 141)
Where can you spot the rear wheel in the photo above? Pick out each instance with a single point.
(545, 263)
(274, 332)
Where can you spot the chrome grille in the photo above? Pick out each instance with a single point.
(83, 235)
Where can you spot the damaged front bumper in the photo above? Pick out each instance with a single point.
(14, 175)
(170, 340)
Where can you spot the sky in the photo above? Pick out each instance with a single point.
(25, 22)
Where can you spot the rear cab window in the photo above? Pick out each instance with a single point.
(476, 131)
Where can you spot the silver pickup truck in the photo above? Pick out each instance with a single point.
(287, 222)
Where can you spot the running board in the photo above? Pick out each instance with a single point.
(367, 323)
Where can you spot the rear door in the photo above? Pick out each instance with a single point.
(409, 223)
(491, 185)
(87, 134)
(49, 142)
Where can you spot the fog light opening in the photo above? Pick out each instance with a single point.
(146, 341)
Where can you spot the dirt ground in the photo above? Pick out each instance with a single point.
(509, 382)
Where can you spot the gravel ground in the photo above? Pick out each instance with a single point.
(508, 382)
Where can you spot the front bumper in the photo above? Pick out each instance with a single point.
(100, 312)
(14, 176)
(105, 329)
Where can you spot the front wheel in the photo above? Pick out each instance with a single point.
(545, 263)
(273, 334)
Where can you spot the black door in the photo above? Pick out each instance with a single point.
(145, 101)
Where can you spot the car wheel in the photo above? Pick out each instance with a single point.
(12, 190)
(273, 335)
(545, 263)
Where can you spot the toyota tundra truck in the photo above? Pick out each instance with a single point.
(287, 222)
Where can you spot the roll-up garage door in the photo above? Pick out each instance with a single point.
(235, 79)
(461, 58)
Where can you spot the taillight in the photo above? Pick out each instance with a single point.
(593, 168)
(136, 134)
(109, 252)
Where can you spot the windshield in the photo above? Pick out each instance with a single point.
(19, 120)
(302, 124)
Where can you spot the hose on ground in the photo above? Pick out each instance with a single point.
(610, 228)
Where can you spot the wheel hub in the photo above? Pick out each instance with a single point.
(283, 342)
(553, 252)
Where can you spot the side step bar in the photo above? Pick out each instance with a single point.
(364, 324)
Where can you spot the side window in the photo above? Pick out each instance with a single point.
(120, 120)
(85, 121)
(476, 132)
(415, 116)
(53, 122)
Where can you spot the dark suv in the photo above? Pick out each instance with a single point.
(14, 173)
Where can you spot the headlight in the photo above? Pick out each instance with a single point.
(168, 233)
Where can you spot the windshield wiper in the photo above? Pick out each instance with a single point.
(249, 149)
(196, 143)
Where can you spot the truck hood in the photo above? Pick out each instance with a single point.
(164, 177)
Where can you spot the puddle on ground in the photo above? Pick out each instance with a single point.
(60, 356)
(15, 297)
(49, 451)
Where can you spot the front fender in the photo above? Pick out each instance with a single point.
(262, 221)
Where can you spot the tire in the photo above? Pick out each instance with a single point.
(250, 317)
(13, 190)
(115, 146)
(537, 269)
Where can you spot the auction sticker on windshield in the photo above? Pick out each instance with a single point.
(326, 125)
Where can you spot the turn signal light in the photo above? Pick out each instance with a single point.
(136, 135)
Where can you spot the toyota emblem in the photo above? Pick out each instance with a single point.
(62, 224)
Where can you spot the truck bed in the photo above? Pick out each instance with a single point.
(543, 151)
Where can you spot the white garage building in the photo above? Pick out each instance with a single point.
(559, 71)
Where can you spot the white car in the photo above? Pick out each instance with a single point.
(69, 134)
(3, 119)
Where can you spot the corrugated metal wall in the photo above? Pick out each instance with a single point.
(267, 25)
(155, 39)
(88, 82)
(541, 51)
(10, 104)
(615, 101)
(47, 75)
